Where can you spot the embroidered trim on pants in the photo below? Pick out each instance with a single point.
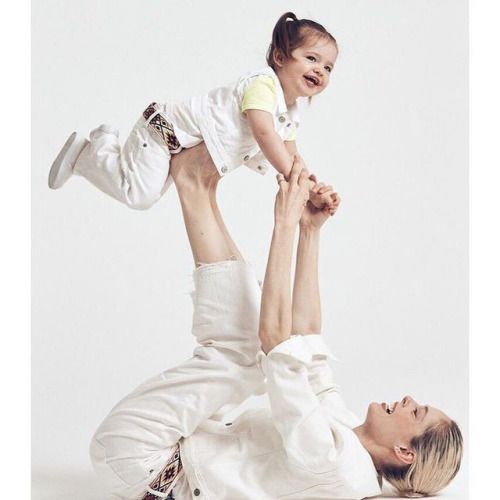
(166, 479)
(163, 128)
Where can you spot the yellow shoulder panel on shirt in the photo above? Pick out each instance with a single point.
(292, 136)
(260, 94)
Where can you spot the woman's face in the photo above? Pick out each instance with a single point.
(397, 424)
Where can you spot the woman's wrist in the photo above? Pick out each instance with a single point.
(284, 228)
(308, 242)
(309, 228)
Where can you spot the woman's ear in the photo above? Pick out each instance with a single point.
(405, 455)
(278, 58)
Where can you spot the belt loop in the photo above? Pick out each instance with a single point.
(148, 120)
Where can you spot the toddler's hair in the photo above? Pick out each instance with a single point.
(290, 33)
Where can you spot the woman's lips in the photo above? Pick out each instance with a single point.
(388, 409)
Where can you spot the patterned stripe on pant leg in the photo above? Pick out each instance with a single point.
(163, 128)
(166, 479)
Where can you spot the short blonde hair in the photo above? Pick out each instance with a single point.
(438, 453)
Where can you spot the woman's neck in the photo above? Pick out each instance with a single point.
(370, 446)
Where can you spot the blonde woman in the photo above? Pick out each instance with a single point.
(170, 438)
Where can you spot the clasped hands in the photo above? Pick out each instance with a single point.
(299, 202)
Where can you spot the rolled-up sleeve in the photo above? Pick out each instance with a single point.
(297, 373)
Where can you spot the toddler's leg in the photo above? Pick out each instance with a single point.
(135, 174)
(136, 439)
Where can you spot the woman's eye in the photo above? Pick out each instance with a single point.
(311, 58)
(415, 412)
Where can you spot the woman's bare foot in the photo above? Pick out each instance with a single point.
(196, 179)
(193, 169)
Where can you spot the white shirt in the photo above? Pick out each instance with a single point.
(216, 119)
(303, 448)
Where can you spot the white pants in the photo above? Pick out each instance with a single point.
(135, 174)
(136, 439)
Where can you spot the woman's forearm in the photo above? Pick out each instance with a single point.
(306, 309)
(276, 305)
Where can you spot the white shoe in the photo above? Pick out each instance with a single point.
(62, 168)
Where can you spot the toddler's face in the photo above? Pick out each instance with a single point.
(307, 72)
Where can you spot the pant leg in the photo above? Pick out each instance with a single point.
(138, 434)
(135, 174)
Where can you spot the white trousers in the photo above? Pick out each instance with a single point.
(136, 439)
(135, 174)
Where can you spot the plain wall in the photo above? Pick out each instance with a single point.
(110, 287)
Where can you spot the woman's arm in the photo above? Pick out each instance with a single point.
(296, 409)
(306, 309)
(276, 307)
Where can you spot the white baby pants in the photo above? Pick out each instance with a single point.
(135, 174)
(136, 439)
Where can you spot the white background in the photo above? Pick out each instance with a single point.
(110, 285)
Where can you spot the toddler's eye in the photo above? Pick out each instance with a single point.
(415, 412)
(311, 58)
(328, 69)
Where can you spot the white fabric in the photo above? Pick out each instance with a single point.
(135, 174)
(216, 118)
(303, 448)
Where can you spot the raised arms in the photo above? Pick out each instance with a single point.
(276, 305)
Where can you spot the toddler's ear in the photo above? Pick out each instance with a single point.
(278, 58)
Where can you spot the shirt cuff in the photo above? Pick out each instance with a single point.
(302, 348)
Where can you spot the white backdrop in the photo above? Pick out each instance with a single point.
(110, 285)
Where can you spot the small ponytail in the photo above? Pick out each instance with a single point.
(290, 33)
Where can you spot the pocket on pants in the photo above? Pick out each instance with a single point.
(148, 146)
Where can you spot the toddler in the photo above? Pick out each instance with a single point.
(251, 122)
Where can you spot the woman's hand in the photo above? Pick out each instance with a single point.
(313, 217)
(292, 196)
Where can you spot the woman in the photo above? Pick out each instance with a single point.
(168, 438)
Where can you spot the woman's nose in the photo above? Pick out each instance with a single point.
(407, 400)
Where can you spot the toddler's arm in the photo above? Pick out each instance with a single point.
(271, 144)
(280, 153)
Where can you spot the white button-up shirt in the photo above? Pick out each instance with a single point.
(216, 119)
(302, 448)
